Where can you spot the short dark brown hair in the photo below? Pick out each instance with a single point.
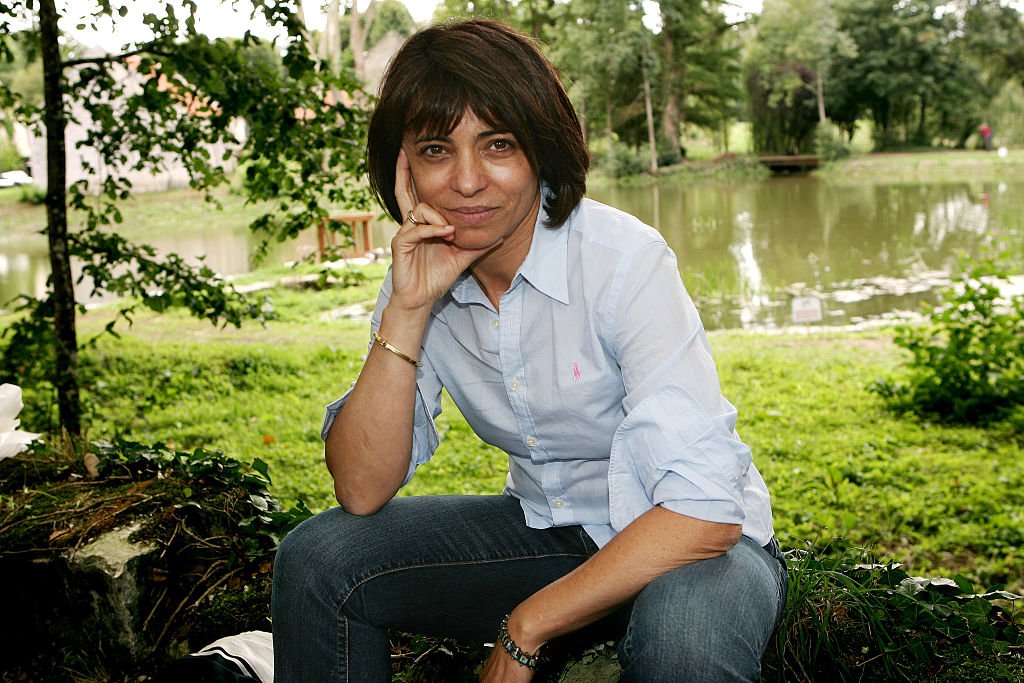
(503, 78)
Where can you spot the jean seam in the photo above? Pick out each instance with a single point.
(423, 565)
(347, 641)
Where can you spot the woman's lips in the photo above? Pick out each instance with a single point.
(473, 214)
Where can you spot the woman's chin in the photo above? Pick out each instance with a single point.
(474, 242)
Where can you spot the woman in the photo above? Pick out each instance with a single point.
(561, 330)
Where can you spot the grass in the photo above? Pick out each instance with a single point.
(842, 470)
(927, 164)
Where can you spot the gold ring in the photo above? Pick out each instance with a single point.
(411, 218)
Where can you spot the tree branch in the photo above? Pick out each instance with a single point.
(107, 59)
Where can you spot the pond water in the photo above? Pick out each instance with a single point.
(866, 251)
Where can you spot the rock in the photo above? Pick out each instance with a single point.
(599, 664)
(108, 574)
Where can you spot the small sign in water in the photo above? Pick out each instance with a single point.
(806, 309)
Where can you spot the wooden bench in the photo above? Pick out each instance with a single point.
(360, 222)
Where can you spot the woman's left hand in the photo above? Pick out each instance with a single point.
(501, 668)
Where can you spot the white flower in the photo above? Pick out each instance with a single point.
(12, 440)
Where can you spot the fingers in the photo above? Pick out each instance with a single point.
(405, 191)
(415, 233)
(413, 211)
(422, 214)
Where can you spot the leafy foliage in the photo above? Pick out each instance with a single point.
(849, 618)
(967, 362)
(906, 74)
(829, 144)
(179, 98)
(255, 516)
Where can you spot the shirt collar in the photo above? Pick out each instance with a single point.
(545, 266)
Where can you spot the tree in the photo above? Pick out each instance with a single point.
(391, 16)
(794, 36)
(993, 39)
(699, 67)
(174, 97)
(907, 74)
(533, 17)
(599, 53)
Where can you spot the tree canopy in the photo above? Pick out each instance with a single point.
(176, 98)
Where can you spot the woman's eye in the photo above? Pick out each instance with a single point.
(502, 145)
(432, 150)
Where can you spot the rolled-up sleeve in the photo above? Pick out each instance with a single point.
(428, 397)
(677, 446)
(669, 452)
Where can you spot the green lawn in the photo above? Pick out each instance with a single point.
(921, 165)
(943, 500)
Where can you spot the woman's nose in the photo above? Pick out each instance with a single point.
(469, 175)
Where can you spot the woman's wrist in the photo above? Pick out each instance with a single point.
(530, 657)
(520, 630)
(404, 321)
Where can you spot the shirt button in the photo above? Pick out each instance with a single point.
(495, 324)
(514, 386)
(558, 503)
(531, 441)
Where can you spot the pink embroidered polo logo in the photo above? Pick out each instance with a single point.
(576, 372)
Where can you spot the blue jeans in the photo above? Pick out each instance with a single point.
(453, 566)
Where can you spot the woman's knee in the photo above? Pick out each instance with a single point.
(324, 547)
(705, 622)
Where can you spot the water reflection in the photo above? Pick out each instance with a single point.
(867, 249)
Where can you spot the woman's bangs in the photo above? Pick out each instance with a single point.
(439, 102)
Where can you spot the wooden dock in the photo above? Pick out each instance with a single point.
(782, 163)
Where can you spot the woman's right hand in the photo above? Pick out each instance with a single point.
(425, 260)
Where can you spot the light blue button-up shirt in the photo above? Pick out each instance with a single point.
(596, 377)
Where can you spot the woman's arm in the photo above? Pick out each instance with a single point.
(369, 444)
(655, 543)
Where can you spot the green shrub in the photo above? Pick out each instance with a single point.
(967, 361)
(624, 161)
(850, 618)
(10, 159)
(829, 144)
(212, 517)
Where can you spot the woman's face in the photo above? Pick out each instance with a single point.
(479, 179)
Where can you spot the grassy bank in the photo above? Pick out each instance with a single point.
(928, 165)
(942, 500)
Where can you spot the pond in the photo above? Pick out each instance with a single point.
(863, 251)
(866, 250)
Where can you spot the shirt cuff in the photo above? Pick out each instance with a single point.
(424, 432)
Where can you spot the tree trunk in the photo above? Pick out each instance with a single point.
(820, 93)
(922, 133)
(649, 109)
(66, 379)
(670, 115)
(359, 28)
(584, 124)
(609, 130)
(330, 39)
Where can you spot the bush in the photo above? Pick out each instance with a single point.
(849, 618)
(967, 361)
(624, 161)
(829, 144)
